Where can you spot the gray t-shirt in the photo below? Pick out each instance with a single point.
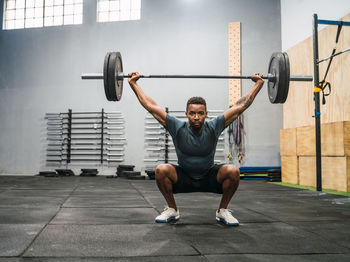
(195, 150)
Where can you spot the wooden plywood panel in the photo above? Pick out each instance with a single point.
(307, 171)
(345, 65)
(335, 172)
(299, 107)
(306, 141)
(332, 111)
(347, 138)
(348, 172)
(235, 92)
(288, 142)
(289, 165)
(334, 140)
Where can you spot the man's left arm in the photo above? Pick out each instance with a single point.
(245, 101)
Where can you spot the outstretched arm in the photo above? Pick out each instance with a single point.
(245, 101)
(148, 103)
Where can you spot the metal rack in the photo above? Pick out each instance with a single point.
(85, 138)
(159, 147)
(318, 88)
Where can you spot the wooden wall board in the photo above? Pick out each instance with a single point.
(347, 138)
(335, 139)
(288, 142)
(289, 168)
(299, 107)
(345, 64)
(335, 172)
(234, 31)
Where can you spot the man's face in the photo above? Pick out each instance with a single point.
(196, 114)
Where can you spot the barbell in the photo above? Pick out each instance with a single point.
(278, 77)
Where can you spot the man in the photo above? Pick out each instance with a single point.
(195, 144)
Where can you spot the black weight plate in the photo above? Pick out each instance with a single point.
(283, 79)
(121, 174)
(88, 174)
(137, 177)
(111, 81)
(89, 170)
(273, 170)
(52, 175)
(131, 173)
(126, 167)
(151, 173)
(276, 68)
(119, 171)
(65, 172)
(286, 81)
(46, 173)
(118, 82)
(105, 76)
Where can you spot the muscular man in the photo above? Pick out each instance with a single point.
(195, 144)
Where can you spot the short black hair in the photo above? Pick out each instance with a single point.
(196, 100)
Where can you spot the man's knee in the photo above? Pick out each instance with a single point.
(230, 172)
(163, 170)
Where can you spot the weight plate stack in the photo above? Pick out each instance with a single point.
(89, 172)
(134, 175)
(137, 177)
(65, 172)
(122, 168)
(274, 175)
(151, 173)
(48, 174)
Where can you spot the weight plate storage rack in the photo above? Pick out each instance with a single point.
(85, 138)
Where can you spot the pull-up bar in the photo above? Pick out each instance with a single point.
(331, 22)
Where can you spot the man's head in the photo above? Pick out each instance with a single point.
(196, 112)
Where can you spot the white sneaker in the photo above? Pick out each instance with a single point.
(225, 216)
(169, 214)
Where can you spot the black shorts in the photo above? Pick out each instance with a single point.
(185, 184)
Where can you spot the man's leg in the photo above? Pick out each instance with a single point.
(165, 177)
(228, 176)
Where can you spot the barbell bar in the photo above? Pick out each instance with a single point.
(278, 77)
(269, 77)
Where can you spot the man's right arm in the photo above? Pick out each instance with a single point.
(245, 101)
(147, 102)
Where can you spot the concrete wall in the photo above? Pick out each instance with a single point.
(40, 72)
(296, 17)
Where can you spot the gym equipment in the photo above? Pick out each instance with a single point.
(88, 172)
(65, 172)
(151, 173)
(278, 77)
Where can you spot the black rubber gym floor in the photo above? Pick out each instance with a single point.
(100, 219)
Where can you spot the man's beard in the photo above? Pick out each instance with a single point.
(196, 127)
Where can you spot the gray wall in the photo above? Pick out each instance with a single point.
(296, 17)
(40, 72)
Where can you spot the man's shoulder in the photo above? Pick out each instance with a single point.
(214, 121)
(174, 119)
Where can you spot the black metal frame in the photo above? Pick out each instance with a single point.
(69, 135)
(317, 116)
(102, 129)
(166, 155)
